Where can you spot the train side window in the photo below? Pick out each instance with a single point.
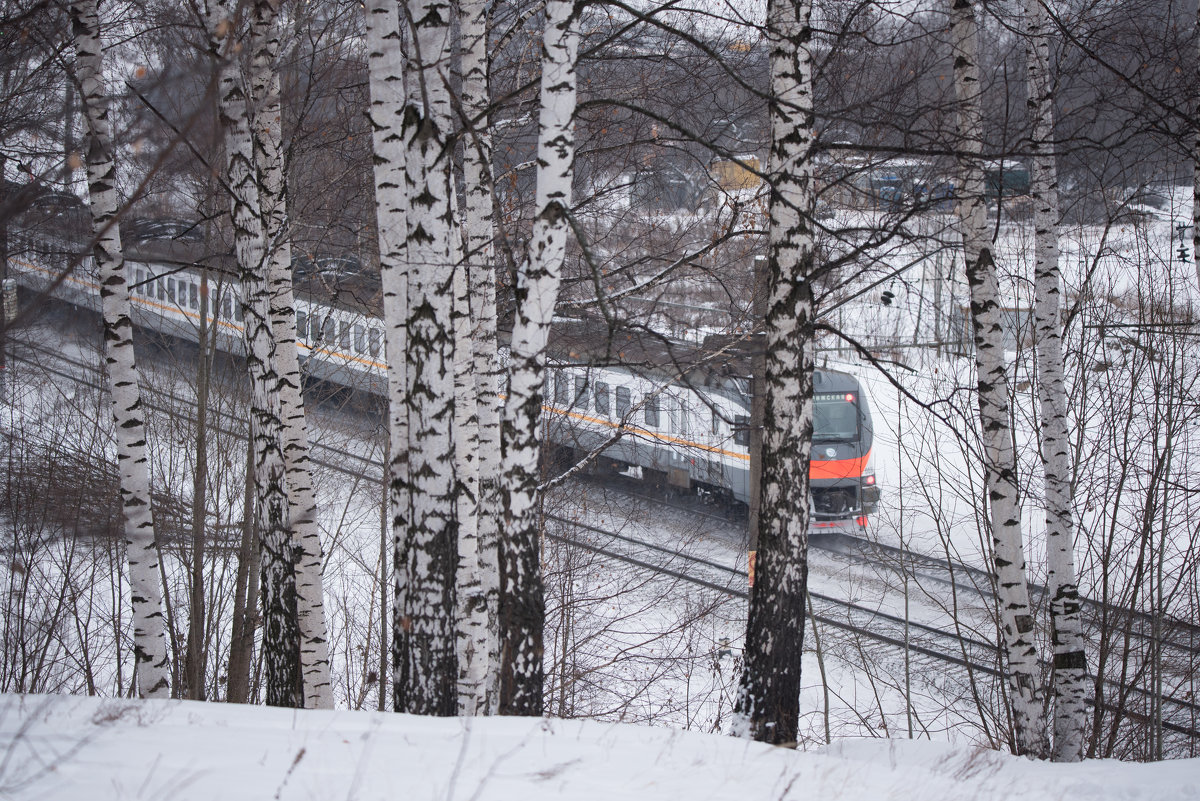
(194, 296)
(329, 331)
(360, 339)
(239, 313)
(716, 426)
(741, 430)
(651, 407)
(581, 393)
(622, 401)
(561, 390)
(375, 339)
(602, 398)
(344, 338)
(301, 324)
(160, 288)
(171, 289)
(139, 287)
(227, 304)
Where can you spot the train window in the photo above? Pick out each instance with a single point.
(360, 339)
(301, 324)
(139, 287)
(561, 390)
(622, 401)
(741, 430)
(344, 338)
(375, 338)
(171, 289)
(329, 331)
(651, 406)
(227, 304)
(238, 312)
(602, 398)
(581, 393)
(194, 296)
(161, 291)
(716, 426)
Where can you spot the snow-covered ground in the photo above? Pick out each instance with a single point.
(89, 748)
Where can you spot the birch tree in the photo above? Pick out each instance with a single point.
(1070, 662)
(141, 548)
(767, 706)
(427, 552)
(522, 604)
(302, 500)
(385, 66)
(478, 654)
(992, 393)
(281, 636)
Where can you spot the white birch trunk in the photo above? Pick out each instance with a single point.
(767, 706)
(478, 227)
(471, 630)
(1070, 661)
(281, 637)
(522, 604)
(141, 548)
(302, 499)
(1000, 459)
(385, 61)
(1196, 155)
(426, 667)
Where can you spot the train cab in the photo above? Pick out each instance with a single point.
(840, 469)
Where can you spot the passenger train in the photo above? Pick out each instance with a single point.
(673, 433)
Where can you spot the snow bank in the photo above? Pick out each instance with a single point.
(57, 747)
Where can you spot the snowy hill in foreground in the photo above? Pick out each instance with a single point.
(57, 747)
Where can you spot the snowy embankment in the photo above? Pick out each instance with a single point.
(60, 747)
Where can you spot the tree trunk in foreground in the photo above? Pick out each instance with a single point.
(1000, 459)
(302, 499)
(1070, 661)
(522, 603)
(427, 557)
(141, 548)
(479, 672)
(281, 634)
(768, 701)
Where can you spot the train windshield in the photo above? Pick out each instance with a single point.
(835, 416)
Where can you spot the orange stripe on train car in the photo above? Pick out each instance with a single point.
(838, 468)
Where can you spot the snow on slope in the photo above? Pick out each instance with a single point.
(59, 747)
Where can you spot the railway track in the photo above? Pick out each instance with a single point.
(925, 642)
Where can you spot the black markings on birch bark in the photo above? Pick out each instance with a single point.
(479, 217)
(385, 55)
(1070, 663)
(302, 501)
(767, 706)
(522, 604)
(427, 558)
(281, 636)
(141, 549)
(1000, 459)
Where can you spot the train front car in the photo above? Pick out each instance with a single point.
(843, 479)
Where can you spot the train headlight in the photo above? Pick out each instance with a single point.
(869, 490)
